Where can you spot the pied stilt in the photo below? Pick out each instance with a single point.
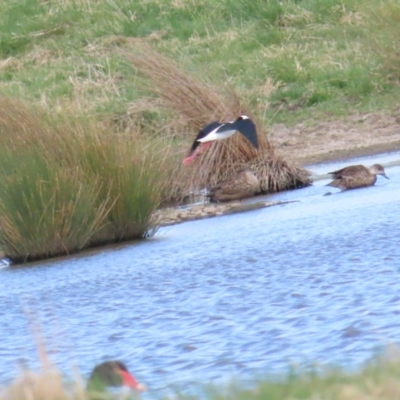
(219, 131)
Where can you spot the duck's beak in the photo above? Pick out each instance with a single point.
(130, 381)
(385, 176)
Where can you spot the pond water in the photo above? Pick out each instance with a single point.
(311, 281)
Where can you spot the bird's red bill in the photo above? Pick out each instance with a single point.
(130, 381)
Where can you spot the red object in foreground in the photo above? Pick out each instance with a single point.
(130, 381)
(113, 373)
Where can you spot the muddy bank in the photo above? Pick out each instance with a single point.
(354, 136)
(171, 216)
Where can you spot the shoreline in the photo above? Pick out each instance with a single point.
(174, 216)
(360, 135)
(348, 154)
(197, 211)
(165, 217)
(308, 146)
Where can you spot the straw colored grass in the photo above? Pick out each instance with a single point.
(198, 103)
(69, 184)
(44, 385)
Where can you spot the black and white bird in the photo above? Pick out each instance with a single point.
(220, 131)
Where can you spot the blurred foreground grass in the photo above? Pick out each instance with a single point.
(378, 380)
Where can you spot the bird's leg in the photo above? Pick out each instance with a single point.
(197, 152)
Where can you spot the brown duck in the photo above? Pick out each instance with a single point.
(356, 176)
(112, 373)
(242, 184)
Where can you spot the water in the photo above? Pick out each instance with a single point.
(310, 281)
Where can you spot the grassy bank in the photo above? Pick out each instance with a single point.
(289, 60)
(69, 184)
(87, 162)
(377, 381)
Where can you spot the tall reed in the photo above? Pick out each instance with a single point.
(68, 184)
(197, 103)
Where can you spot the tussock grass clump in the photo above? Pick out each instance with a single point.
(67, 184)
(198, 103)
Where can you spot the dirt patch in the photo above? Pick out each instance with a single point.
(357, 135)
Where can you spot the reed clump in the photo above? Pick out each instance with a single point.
(69, 184)
(196, 103)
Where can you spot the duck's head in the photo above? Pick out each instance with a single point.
(113, 373)
(377, 169)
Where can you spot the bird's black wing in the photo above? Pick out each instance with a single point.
(248, 129)
(245, 126)
(203, 133)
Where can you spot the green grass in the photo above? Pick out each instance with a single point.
(69, 184)
(335, 56)
(289, 60)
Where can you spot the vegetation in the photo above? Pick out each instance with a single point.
(288, 60)
(111, 114)
(67, 184)
(197, 104)
(377, 380)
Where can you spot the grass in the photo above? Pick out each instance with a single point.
(69, 184)
(197, 103)
(386, 31)
(378, 379)
(322, 59)
(102, 142)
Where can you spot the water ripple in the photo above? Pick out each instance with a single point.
(313, 281)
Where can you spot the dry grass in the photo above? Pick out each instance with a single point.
(44, 385)
(198, 103)
(48, 382)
